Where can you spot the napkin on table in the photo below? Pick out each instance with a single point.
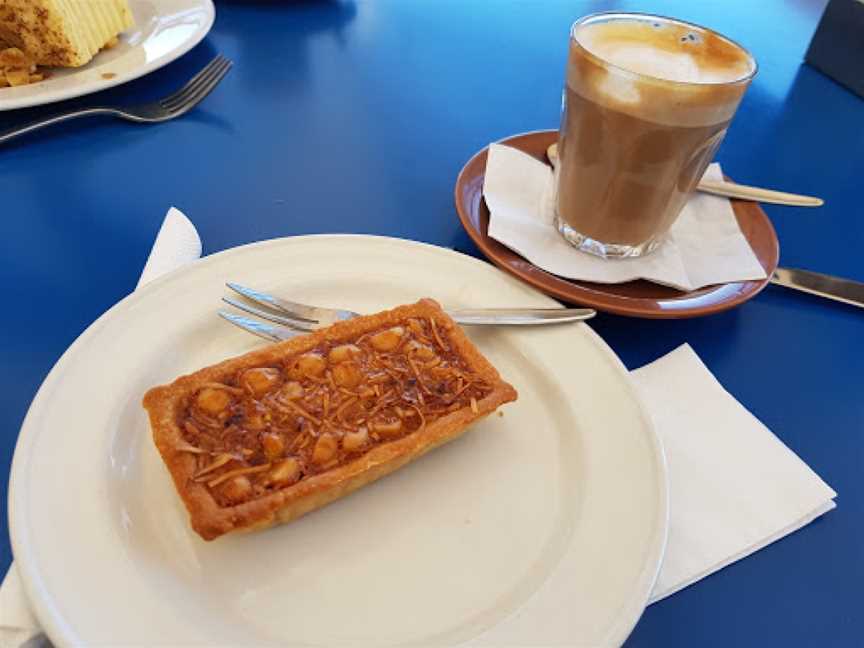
(705, 245)
(177, 244)
(734, 486)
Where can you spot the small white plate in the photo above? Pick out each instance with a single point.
(542, 526)
(164, 30)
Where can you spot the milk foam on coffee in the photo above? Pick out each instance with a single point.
(655, 58)
(678, 56)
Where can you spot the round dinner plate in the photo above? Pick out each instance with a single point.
(164, 30)
(543, 525)
(634, 298)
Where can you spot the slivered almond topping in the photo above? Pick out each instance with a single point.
(182, 446)
(461, 389)
(416, 371)
(251, 470)
(220, 461)
(302, 412)
(420, 414)
(323, 408)
(344, 406)
(435, 333)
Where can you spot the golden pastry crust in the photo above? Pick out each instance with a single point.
(211, 515)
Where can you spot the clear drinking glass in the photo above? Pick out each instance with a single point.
(647, 101)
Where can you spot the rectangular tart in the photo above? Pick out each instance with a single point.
(263, 438)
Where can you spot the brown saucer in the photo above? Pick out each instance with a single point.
(634, 298)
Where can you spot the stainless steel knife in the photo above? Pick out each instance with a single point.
(842, 290)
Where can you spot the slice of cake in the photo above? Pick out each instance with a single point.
(64, 33)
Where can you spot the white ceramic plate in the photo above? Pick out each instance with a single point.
(164, 30)
(542, 526)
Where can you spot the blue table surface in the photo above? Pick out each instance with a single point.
(356, 117)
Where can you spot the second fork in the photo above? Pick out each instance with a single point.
(170, 107)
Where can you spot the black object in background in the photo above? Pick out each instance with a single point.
(837, 48)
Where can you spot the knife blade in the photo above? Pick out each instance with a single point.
(815, 283)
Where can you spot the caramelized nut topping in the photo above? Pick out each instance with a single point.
(291, 390)
(16, 68)
(355, 440)
(389, 426)
(325, 449)
(274, 446)
(213, 401)
(237, 489)
(419, 350)
(259, 381)
(387, 340)
(266, 428)
(285, 473)
(343, 352)
(347, 375)
(308, 365)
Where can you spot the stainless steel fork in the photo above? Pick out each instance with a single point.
(298, 318)
(170, 107)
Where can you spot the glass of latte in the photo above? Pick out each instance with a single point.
(647, 102)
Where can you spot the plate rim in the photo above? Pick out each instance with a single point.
(53, 623)
(57, 96)
(578, 292)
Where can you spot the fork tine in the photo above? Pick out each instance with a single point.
(292, 309)
(261, 329)
(204, 88)
(201, 93)
(300, 325)
(189, 90)
(191, 83)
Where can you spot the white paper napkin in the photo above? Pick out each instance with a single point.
(734, 487)
(17, 623)
(177, 244)
(705, 245)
